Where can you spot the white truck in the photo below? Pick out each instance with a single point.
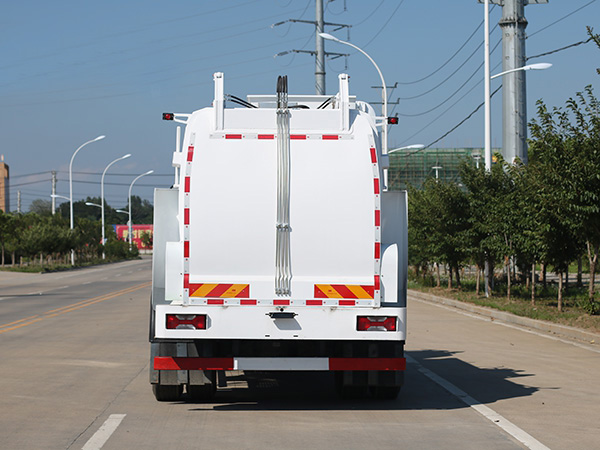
(279, 247)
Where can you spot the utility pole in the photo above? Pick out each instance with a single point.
(514, 92)
(18, 202)
(319, 51)
(53, 196)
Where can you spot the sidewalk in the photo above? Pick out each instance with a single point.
(539, 325)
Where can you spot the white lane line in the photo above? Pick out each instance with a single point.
(522, 328)
(100, 437)
(520, 435)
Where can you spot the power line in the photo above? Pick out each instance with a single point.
(452, 74)
(449, 108)
(452, 57)
(384, 25)
(560, 49)
(454, 93)
(561, 19)
(456, 126)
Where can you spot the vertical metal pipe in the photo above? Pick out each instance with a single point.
(514, 109)
(320, 51)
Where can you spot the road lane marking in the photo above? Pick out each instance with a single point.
(522, 328)
(68, 308)
(516, 432)
(100, 437)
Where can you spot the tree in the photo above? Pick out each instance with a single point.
(41, 207)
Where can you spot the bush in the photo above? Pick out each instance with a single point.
(116, 249)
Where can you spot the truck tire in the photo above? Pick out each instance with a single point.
(385, 392)
(202, 392)
(167, 393)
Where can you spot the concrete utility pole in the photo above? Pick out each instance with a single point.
(18, 202)
(53, 196)
(514, 92)
(320, 50)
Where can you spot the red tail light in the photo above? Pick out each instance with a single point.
(376, 323)
(186, 322)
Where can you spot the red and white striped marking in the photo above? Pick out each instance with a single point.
(281, 302)
(186, 220)
(293, 137)
(377, 217)
(308, 364)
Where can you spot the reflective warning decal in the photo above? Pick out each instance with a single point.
(343, 291)
(221, 290)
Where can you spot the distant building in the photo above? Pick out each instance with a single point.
(4, 185)
(137, 231)
(412, 167)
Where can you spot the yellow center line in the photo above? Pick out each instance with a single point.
(69, 308)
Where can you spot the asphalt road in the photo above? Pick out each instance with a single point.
(74, 369)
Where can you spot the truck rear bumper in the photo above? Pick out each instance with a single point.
(284, 364)
(307, 323)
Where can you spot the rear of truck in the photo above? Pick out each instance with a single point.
(278, 247)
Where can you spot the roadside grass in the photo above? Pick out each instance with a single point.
(31, 267)
(575, 302)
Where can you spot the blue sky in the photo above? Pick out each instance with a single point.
(73, 70)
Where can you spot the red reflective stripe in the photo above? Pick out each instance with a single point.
(187, 184)
(219, 290)
(330, 137)
(377, 250)
(376, 184)
(186, 249)
(343, 290)
(298, 136)
(190, 154)
(377, 217)
(215, 301)
(186, 216)
(266, 136)
(314, 302)
(177, 363)
(367, 364)
(248, 302)
(233, 136)
(347, 302)
(377, 283)
(281, 302)
(373, 155)
(186, 280)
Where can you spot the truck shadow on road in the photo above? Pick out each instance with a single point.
(289, 391)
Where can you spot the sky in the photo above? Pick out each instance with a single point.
(73, 70)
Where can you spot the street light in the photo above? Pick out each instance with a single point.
(59, 196)
(130, 221)
(71, 187)
(102, 197)
(384, 117)
(408, 147)
(488, 125)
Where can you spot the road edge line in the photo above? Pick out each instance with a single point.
(97, 441)
(498, 420)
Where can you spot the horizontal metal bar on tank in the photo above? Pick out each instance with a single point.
(308, 364)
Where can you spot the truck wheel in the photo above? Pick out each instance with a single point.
(201, 392)
(385, 392)
(167, 393)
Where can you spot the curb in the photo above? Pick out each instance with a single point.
(539, 325)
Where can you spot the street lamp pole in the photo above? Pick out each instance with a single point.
(487, 140)
(71, 187)
(384, 118)
(102, 198)
(130, 221)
